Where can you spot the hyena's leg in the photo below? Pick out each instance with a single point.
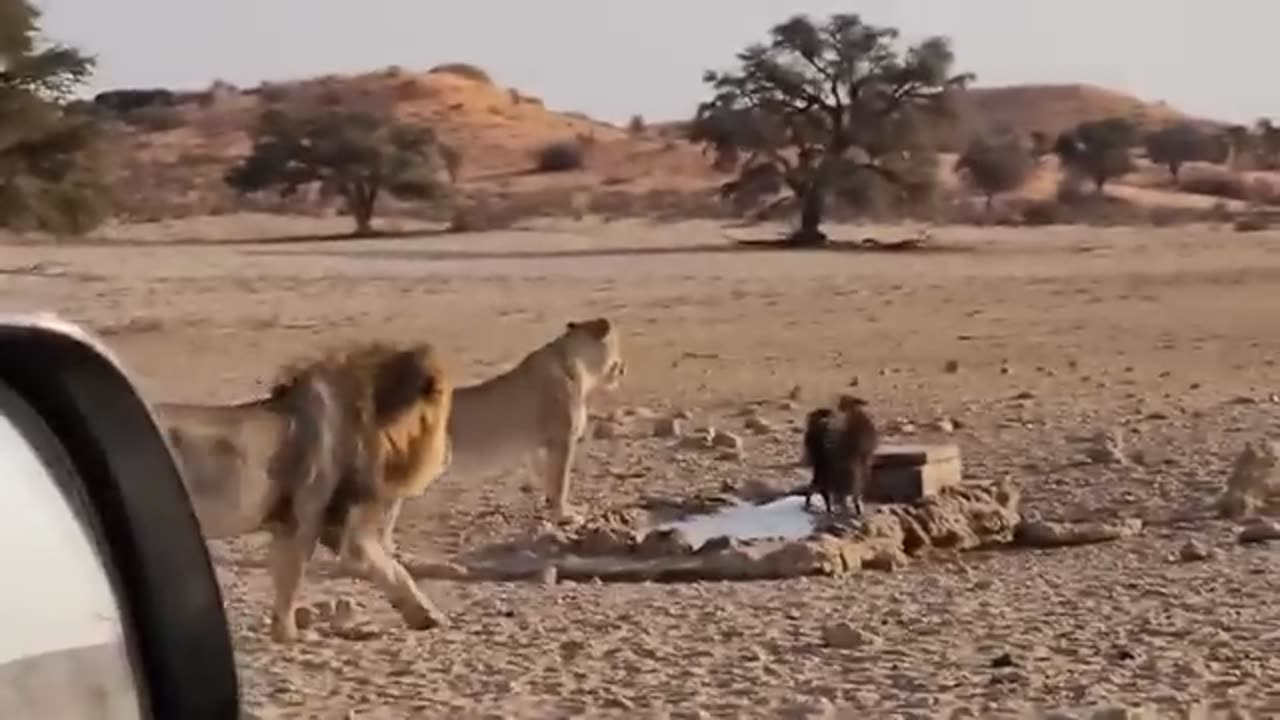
(363, 553)
(861, 477)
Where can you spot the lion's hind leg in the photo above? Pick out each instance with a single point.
(289, 555)
(364, 554)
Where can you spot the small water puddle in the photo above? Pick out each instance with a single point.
(783, 518)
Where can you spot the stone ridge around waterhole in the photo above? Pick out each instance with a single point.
(924, 510)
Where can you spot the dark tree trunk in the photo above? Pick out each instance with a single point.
(991, 199)
(1175, 169)
(360, 200)
(812, 206)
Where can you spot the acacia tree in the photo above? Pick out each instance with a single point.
(824, 105)
(1098, 149)
(355, 153)
(1176, 145)
(996, 165)
(48, 178)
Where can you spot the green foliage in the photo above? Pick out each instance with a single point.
(356, 154)
(48, 177)
(1176, 145)
(561, 156)
(996, 165)
(1098, 150)
(822, 103)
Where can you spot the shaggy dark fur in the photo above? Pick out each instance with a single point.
(840, 445)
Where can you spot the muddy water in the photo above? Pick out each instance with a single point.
(782, 518)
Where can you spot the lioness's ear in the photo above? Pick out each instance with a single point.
(598, 328)
(570, 326)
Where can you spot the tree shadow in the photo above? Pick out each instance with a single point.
(734, 247)
(267, 240)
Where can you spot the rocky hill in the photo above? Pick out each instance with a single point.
(168, 159)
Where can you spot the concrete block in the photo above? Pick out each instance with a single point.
(907, 473)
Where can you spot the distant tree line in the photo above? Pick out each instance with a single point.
(824, 113)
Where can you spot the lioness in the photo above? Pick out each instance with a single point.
(321, 459)
(535, 413)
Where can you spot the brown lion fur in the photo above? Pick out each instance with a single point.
(318, 460)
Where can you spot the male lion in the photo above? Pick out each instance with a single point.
(534, 413)
(321, 459)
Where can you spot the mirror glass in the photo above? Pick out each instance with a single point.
(63, 652)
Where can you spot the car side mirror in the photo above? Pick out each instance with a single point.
(111, 608)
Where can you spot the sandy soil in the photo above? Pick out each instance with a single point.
(1166, 335)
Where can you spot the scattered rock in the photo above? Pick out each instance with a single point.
(951, 367)
(305, 617)
(795, 394)
(606, 540)
(1006, 370)
(664, 542)
(943, 425)
(682, 415)
(885, 560)
(1194, 551)
(1242, 400)
(901, 426)
(344, 612)
(641, 412)
(844, 636)
(606, 430)
(718, 543)
(1119, 713)
(728, 455)
(697, 440)
(1003, 660)
(358, 633)
(758, 425)
(1106, 447)
(1025, 395)
(668, 427)
(1259, 531)
(1046, 534)
(726, 440)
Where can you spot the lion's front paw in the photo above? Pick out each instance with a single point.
(284, 629)
(566, 515)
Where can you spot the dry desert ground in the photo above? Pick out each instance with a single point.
(1169, 337)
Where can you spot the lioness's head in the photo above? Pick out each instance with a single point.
(595, 344)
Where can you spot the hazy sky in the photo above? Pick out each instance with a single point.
(612, 59)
